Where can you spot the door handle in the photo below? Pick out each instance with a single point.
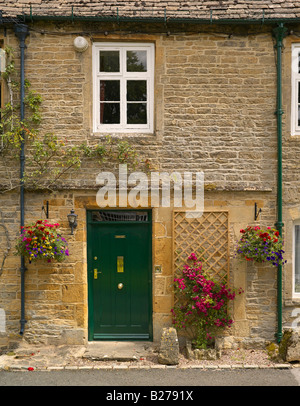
(96, 273)
(120, 286)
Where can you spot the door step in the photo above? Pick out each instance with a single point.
(117, 350)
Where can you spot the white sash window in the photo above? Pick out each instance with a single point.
(123, 82)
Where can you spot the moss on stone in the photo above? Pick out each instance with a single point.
(283, 346)
(272, 350)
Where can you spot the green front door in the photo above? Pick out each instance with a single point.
(119, 275)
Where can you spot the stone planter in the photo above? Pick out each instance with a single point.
(202, 354)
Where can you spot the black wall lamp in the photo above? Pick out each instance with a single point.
(256, 211)
(72, 217)
(46, 209)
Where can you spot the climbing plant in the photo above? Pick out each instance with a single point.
(48, 157)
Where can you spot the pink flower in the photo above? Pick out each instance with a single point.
(193, 257)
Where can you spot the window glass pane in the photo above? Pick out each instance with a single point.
(297, 259)
(136, 90)
(136, 61)
(136, 113)
(110, 113)
(109, 61)
(109, 90)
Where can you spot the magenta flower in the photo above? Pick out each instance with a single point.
(201, 303)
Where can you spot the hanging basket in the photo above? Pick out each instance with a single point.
(262, 246)
(41, 241)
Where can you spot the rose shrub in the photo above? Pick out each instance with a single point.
(201, 307)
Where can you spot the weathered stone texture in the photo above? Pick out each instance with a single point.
(169, 347)
(206, 10)
(214, 110)
(289, 347)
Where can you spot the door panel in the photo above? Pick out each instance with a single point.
(120, 295)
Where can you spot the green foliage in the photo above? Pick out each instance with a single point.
(126, 153)
(111, 149)
(13, 130)
(48, 157)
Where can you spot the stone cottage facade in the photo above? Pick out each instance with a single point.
(203, 83)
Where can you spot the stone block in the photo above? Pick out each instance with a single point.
(73, 337)
(289, 348)
(202, 354)
(163, 304)
(169, 347)
(3, 341)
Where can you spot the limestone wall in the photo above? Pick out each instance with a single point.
(56, 294)
(215, 97)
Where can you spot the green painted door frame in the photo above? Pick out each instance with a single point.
(119, 264)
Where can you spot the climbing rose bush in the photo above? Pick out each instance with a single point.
(261, 245)
(41, 240)
(202, 304)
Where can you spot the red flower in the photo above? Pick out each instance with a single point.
(264, 235)
(277, 233)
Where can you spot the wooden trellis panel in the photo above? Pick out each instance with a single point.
(207, 237)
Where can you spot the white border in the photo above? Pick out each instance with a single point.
(295, 78)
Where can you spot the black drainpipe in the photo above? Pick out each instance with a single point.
(21, 31)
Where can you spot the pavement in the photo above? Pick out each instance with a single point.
(101, 355)
(104, 354)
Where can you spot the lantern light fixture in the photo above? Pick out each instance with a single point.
(72, 218)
